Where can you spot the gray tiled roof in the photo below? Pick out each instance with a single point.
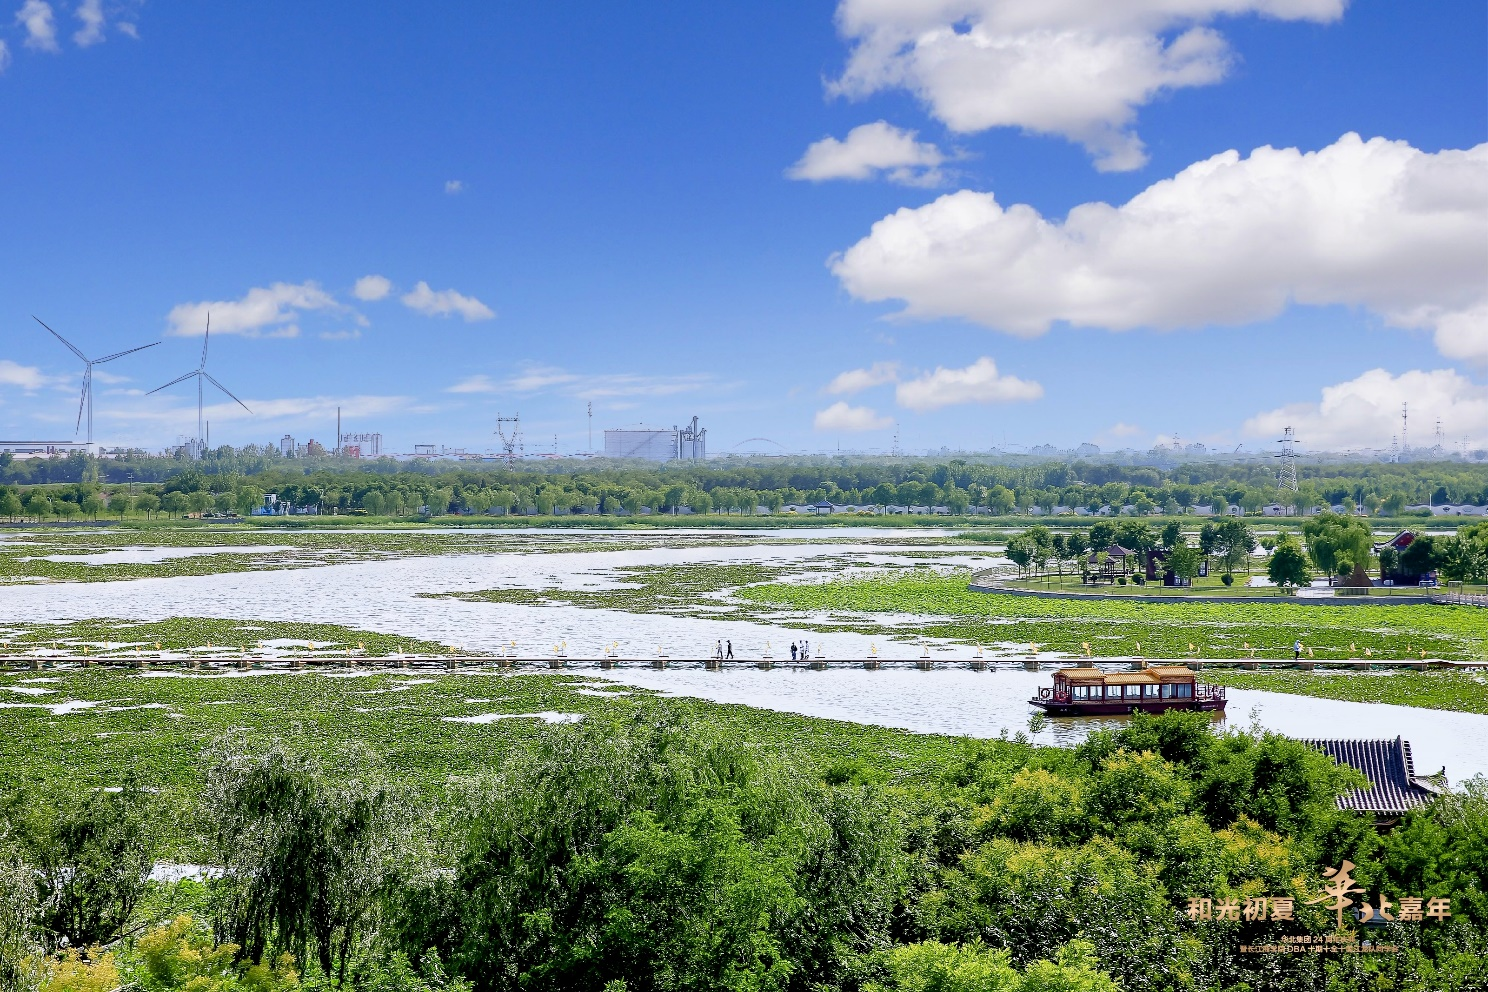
(1394, 786)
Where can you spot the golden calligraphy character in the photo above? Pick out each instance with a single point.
(1281, 908)
(1340, 885)
(1410, 909)
(1228, 909)
(1255, 908)
(1438, 909)
(1200, 909)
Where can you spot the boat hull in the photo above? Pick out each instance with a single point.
(1117, 708)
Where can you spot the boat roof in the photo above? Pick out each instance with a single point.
(1156, 673)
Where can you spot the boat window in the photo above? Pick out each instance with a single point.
(1133, 691)
(1149, 690)
(1167, 690)
(1082, 692)
(1185, 690)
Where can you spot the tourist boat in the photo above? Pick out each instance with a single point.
(1088, 691)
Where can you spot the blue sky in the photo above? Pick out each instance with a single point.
(604, 204)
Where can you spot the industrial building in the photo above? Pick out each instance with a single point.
(658, 444)
(45, 449)
(361, 445)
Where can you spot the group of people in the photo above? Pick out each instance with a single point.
(724, 651)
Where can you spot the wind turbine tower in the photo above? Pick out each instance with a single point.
(201, 373)
(86, 399)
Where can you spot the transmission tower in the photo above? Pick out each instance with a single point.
(509, 429)
(895, 449)
(591, 426)
(1404, 423)
(1286, 476)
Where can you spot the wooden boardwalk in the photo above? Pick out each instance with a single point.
(464, 662)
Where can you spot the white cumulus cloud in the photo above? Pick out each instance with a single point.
(4, 56)
(979, 382)
(1076, 68)
(445, 302)
(1365, 412)
(90, 14)
(857, 380)
(869, 151)
(371, 288)
(842, 417)
(41, 27)
(263, 311)
(1229, 240)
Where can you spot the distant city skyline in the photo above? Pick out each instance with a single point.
(853, 225)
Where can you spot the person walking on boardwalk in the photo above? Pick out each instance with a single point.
(793, 650)
(805, 649)
(1297, 650)
(730, 655)
(718, 651)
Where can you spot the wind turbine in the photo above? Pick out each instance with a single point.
(86, 400)
(200, 372)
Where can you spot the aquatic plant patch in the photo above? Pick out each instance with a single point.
(945, 607)
(106, 638)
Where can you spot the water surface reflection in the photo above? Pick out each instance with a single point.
(985, 704)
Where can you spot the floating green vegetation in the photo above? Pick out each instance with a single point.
(941, 605)
(1458, 691)
(154, 727)
(104, 638)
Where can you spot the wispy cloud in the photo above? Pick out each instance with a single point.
(90, 13)
(262, 311)
(445, 302)
(41, 27)
(543, 378)
(454, 186)
(345, 334)
(161, 410)
(473, 384)
(28, 377)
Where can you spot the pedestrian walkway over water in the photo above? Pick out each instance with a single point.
(466, 662)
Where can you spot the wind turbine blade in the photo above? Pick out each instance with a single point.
(225, 390)
(121, 354)
(83, 399)
(182, 378)
(205, 339)
(60, 338)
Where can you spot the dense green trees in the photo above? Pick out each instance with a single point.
(1337, 544)
(738, 486)
(1287, 566)
(651, 853)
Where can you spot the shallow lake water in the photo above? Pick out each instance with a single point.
(958, 700)
(384, 596)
